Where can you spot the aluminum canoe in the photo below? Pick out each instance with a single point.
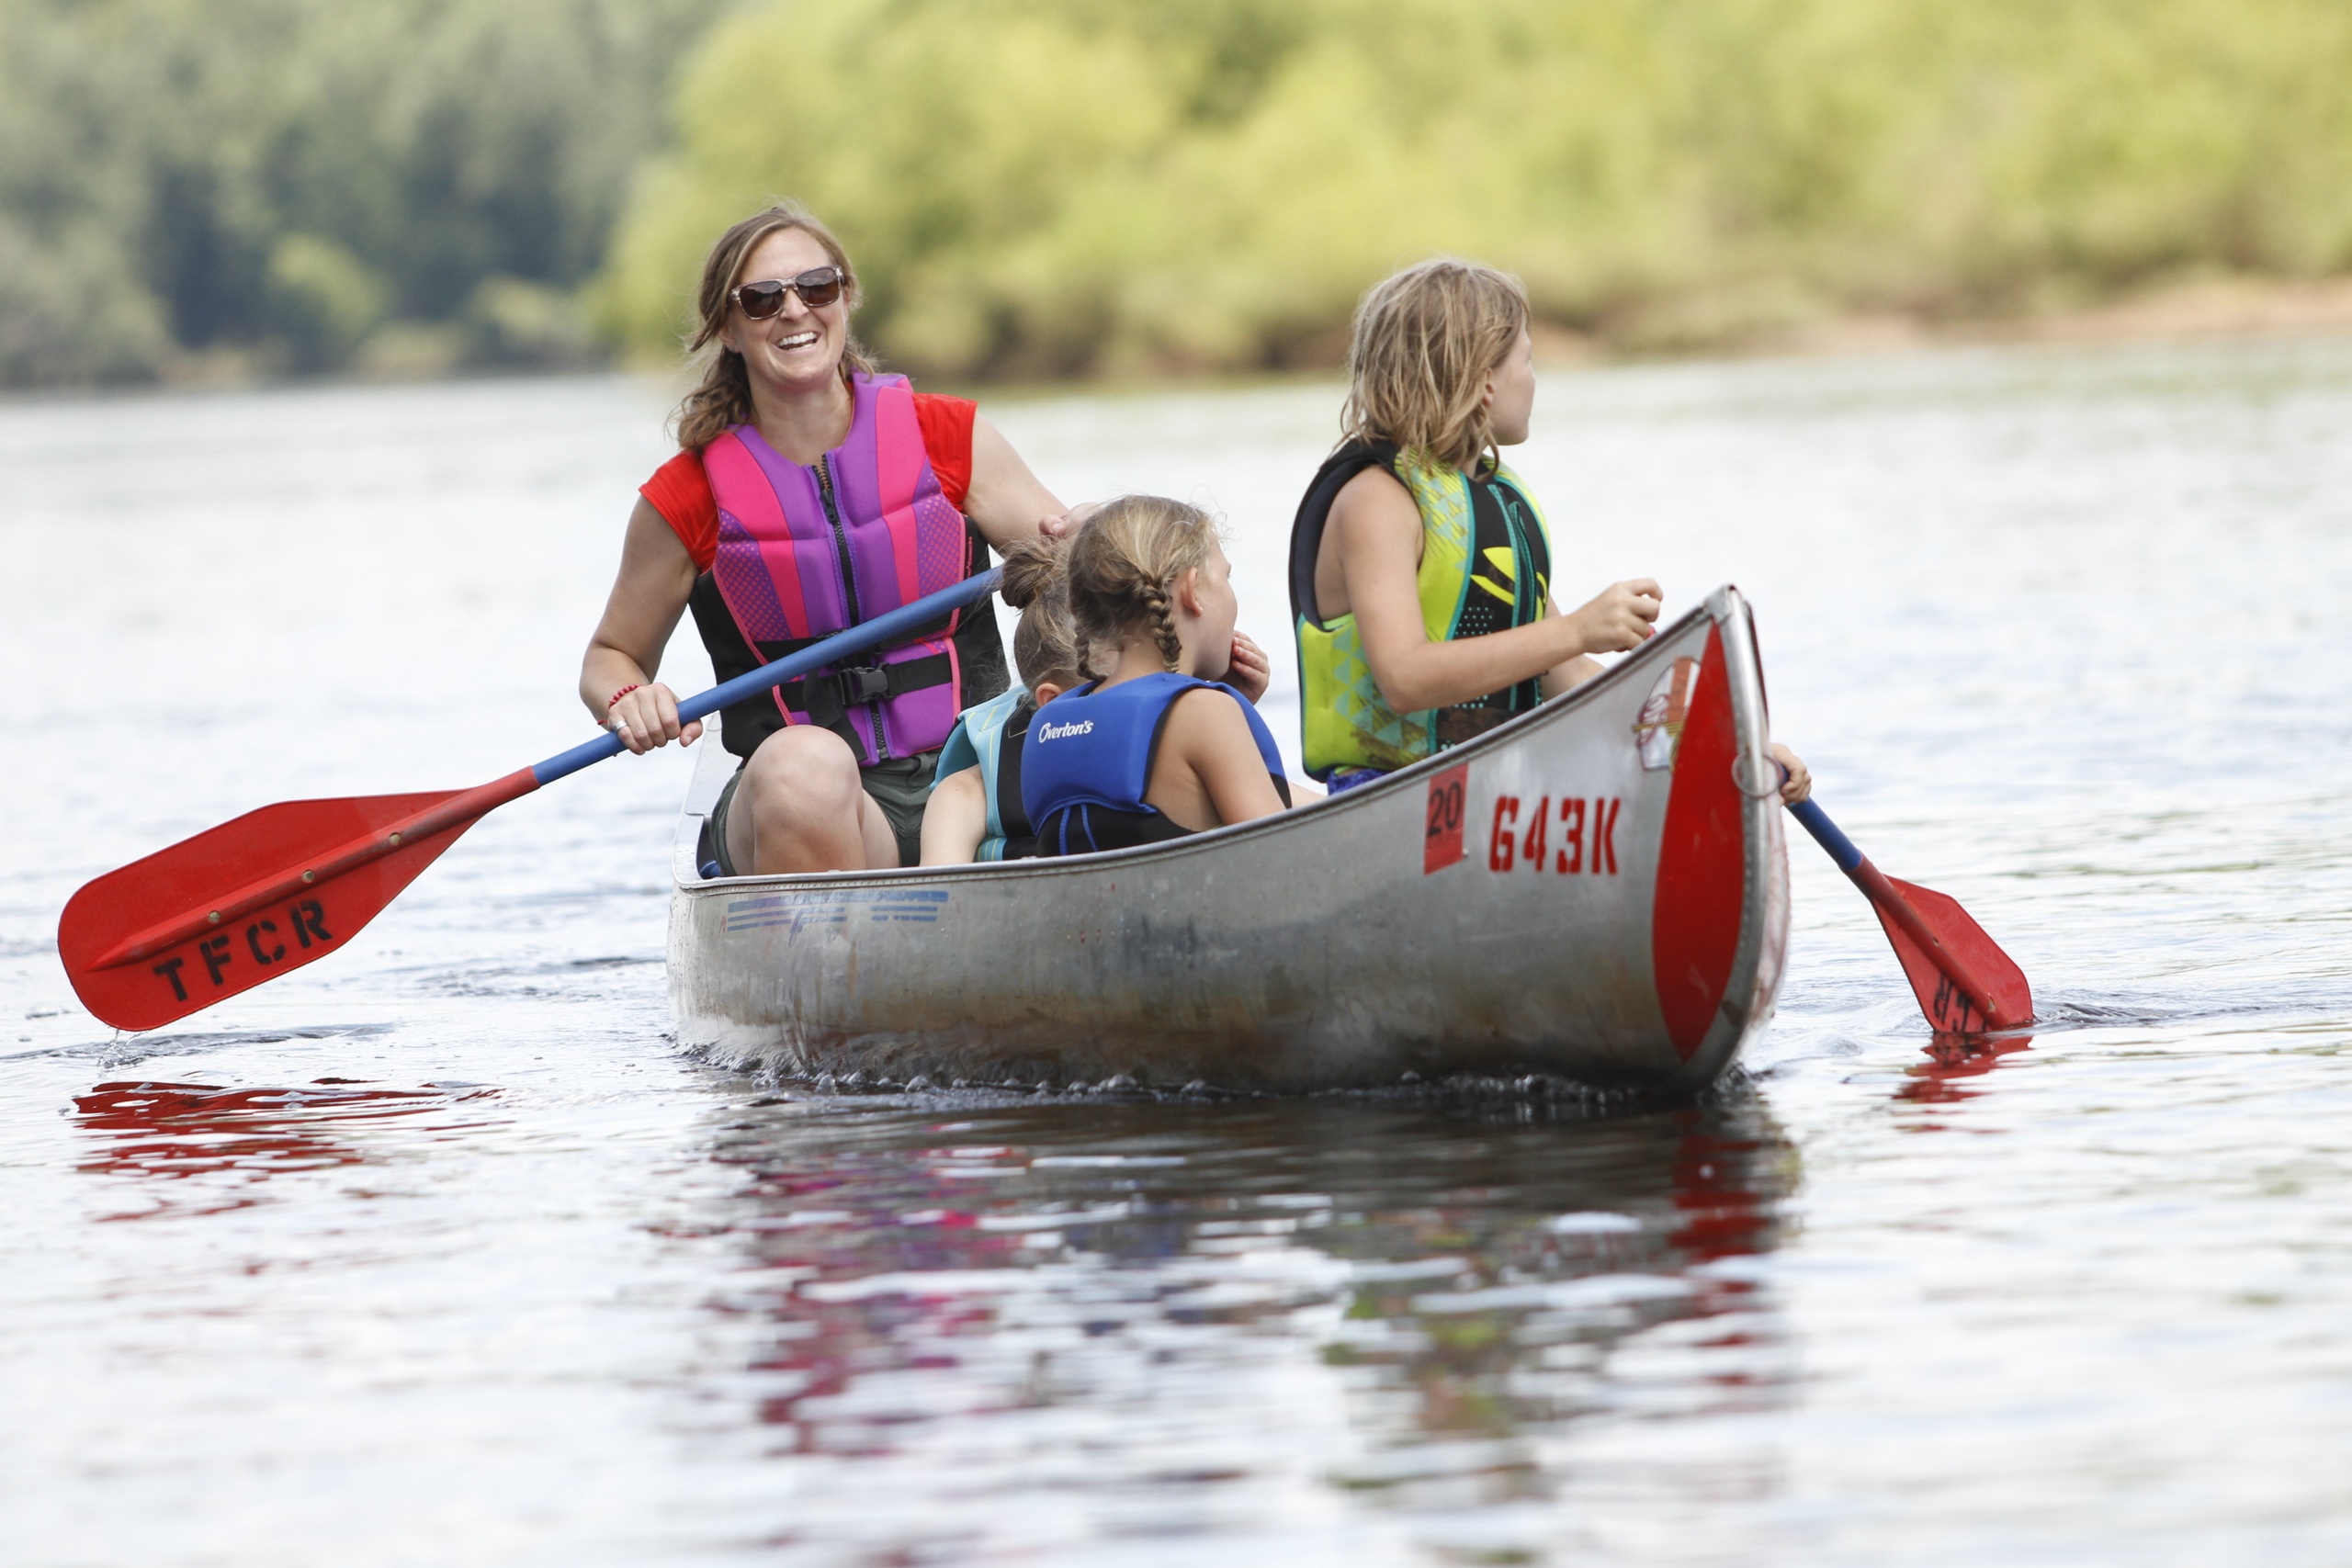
(1595, 891)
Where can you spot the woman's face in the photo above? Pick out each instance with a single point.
(796, 349)
(1510, 392)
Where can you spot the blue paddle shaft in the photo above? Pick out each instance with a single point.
(882, 629)
(1826, 833)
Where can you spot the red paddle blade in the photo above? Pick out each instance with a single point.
(1946, 1004)
(242, 903)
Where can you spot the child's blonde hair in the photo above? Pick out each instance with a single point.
(1045, 643)
(1424, 342)
(1121, 563)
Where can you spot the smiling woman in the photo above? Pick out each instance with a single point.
(812, 493)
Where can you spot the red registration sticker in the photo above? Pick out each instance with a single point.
(1441, 844)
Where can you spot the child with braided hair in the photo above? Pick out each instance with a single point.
(1165, 739)
(975, 812)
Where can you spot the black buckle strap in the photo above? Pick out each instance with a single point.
(862, 683)
(827, 698)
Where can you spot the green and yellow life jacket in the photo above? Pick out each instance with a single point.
(1486, 567)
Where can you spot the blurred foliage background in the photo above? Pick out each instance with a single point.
(230, 188)
(1056, 187)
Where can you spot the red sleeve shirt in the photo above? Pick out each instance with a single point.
(680, 491)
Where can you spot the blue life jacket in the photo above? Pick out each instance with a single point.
(1088, 764)
(990, 736)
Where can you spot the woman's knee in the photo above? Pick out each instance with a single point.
(801, 773)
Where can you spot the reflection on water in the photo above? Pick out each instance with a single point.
(448, 1255)
(1953, 1060)
(1476, 1282)
(227, 1140)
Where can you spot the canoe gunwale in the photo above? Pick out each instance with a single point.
(1720, 607)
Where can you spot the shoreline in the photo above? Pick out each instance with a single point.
(2204, 310)
(2200, 310)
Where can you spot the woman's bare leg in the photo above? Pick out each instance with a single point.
(800, 807)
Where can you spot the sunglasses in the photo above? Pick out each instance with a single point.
(817, 287)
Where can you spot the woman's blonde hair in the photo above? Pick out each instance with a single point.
(723, 398)
(1120, 565)
(1423, 345)
(1045, 643)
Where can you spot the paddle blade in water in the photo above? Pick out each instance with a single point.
(247, 901)
(1947, 1004)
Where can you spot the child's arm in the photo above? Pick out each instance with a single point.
(1799, 783)
(955, 820)
(1208, 773)
(1574, 672)
(1379, 537)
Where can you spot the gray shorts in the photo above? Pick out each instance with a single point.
(899, 785)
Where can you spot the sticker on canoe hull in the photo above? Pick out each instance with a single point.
(1583, 825)
(1658, 734)
(1442, 836)
(879, 905)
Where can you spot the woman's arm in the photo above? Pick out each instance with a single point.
(1005, 500)
(656, 578)
(1379, 537)
(954, 820)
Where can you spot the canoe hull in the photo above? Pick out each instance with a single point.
(1547, 900)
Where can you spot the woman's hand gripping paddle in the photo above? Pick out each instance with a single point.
(1964, 982)
(251, 900)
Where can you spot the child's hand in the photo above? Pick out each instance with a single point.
(1799, 783)
(1248, 672)
(1620, 616)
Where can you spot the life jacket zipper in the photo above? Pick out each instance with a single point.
(849, 581)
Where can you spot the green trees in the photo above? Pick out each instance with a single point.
(313, 183)
(1049, 186)
(1045, 187)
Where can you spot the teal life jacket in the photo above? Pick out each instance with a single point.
(990, 736)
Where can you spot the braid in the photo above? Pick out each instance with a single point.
(1163, 624)
(1120, 565)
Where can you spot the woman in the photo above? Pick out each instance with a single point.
(812, 494)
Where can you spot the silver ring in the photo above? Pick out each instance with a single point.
(1739, 778)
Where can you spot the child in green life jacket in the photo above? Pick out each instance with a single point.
(1420, 569)
(975, 811)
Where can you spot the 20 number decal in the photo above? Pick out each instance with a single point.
(1585, 841)
(1442, 838)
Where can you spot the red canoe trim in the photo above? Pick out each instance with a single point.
(1701, 863)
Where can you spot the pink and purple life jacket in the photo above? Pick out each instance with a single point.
(808, 551)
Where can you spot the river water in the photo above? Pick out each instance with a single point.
(442, 1252)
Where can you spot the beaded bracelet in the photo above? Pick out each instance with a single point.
(617, 696)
